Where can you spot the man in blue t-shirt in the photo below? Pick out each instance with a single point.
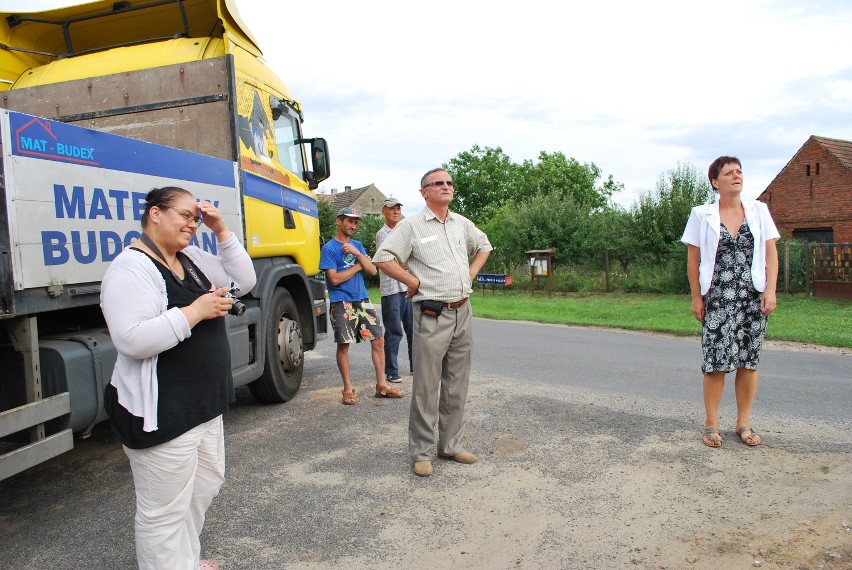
(353, 318)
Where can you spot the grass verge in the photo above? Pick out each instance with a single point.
(799, 318)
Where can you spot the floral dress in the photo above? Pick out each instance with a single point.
(734, 325)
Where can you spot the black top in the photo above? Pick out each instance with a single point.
(194, 377)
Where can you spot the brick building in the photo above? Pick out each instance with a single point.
(811, 198)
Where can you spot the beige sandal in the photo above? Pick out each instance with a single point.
(712, 435)
(749, 438)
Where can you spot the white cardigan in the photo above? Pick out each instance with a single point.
(705, 227)
(134, 301)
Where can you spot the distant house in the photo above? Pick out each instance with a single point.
(811, 198)
(366, 200)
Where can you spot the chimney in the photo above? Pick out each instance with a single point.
(347, 188)
(333, 191)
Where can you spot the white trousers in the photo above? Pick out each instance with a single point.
(175, 483)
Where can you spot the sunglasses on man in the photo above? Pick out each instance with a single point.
(439, 183)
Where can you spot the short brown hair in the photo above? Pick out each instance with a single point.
(717, 165)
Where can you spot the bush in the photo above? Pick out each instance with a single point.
(793, 258)
(671, 278)
(645, 276)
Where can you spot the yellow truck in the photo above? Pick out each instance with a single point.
(99, 103)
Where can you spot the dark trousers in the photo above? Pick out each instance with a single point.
(397, 317)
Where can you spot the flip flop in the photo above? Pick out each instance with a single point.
(712, 434)
(751, 437)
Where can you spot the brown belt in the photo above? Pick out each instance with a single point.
(455, 305)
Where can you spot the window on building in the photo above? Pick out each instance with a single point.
(807, 170)
(815, 235)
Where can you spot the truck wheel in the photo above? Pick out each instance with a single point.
(282, 370)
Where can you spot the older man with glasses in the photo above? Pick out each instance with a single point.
(443, 251)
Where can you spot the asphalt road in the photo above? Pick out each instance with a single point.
(810, 384)
(583, 465)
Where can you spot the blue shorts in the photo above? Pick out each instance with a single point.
(355, 321)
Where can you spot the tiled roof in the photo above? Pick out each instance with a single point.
(343, 199)
(346, 199)
(839, 148)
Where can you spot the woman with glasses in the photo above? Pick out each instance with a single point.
(164, 302)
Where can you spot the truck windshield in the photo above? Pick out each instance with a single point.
(289, 151)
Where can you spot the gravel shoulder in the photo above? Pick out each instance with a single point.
(567, 479)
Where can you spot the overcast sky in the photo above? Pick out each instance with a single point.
(635, 87)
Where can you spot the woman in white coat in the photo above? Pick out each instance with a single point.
(732, 265)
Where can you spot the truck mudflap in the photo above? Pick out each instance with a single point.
(320, 299)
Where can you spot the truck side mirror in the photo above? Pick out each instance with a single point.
(319, 160)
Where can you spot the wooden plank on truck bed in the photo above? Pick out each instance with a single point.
(194, 98)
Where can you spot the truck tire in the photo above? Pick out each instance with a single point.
(285, 357)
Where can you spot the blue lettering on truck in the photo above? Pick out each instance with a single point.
(86, 247)
(73, 151)
(46, 148)
(109, 205)
(33, 144)
(90, 246)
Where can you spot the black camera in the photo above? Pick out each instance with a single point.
(238, 308)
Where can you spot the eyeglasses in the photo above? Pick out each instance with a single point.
(185, 214)
(439, 183)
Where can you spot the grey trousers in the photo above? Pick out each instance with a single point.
(442, 349)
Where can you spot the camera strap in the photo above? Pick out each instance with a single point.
(187, 266)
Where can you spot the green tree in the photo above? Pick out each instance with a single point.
(327, 220)
(485, 178)
(558, 176)
(542, 222)
(659, 217)
(366, 234)
(615, 233)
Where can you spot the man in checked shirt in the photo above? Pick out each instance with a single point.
(443, 251)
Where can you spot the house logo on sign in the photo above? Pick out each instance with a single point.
(36, 138)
